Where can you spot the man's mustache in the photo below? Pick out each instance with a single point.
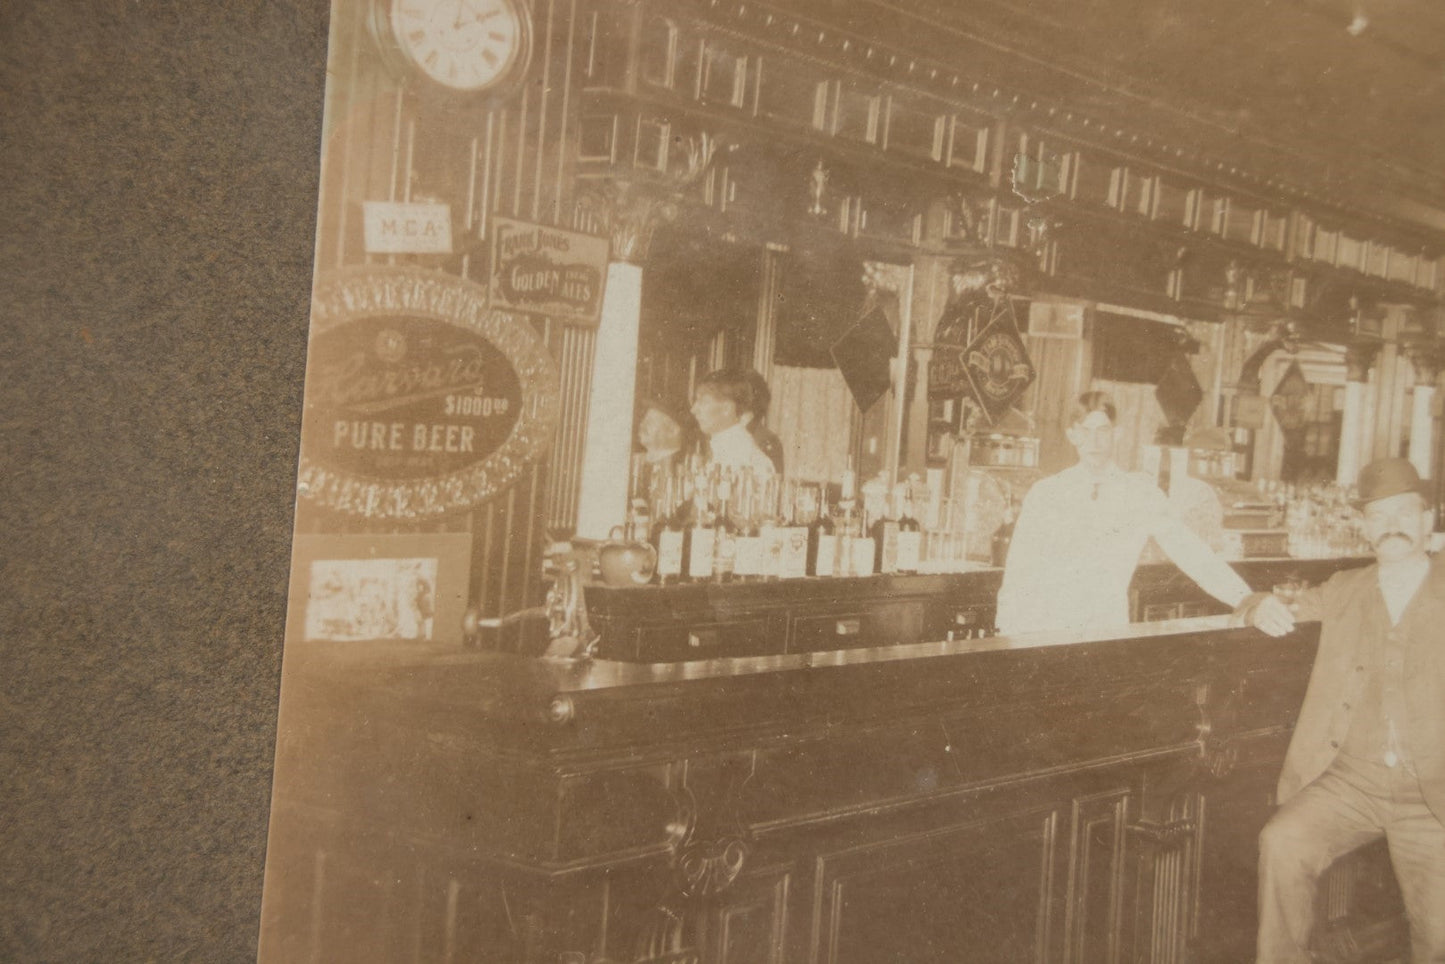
(1391, 535)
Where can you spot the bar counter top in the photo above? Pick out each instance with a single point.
(771, 618)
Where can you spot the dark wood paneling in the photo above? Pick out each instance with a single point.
(1093, 802)
(981, 892)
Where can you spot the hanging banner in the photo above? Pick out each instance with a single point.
(978, 353)
(420, 398)
(998, 367)
(1291, 401)
(548, 270)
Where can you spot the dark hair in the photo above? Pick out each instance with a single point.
(762, 396)
(734, 385)
(1093, 402)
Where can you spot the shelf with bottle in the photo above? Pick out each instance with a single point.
(708, 523)
(1319, 518)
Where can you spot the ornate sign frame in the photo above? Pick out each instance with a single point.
(372, 292)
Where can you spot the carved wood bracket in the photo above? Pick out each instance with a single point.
(1359, 356)
(1218, 723)
(1426, 357)
(710, 844)
(631, 207)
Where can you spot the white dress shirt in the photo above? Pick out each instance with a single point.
(1077, 542)
(735, 448)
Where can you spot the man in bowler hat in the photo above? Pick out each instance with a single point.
(1367, 758)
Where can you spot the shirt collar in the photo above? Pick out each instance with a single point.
(733, 442)
(1082, 478)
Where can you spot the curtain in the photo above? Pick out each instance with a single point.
(1062, 363)
(812, 413)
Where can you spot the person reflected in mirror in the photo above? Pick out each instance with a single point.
(724, 406)
(664, 433)
(1367, 757)
(1079, 534)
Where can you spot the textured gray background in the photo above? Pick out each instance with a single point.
(158, 167)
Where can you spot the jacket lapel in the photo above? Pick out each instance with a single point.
(1424, 617)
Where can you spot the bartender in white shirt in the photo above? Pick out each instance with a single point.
(1079, 535)
(723, 405)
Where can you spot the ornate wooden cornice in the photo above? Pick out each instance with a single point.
(1167, 139)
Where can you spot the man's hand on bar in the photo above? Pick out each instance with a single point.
(1266, 612)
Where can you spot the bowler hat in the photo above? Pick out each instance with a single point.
(1383, 478)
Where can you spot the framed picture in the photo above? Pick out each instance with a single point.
(366, 588)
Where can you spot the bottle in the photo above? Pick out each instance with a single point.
(669, 535)
(823, 540)
(701, 536)
(884, 531)
(910, 532)
(797, 510)
(847, 527)
(725, 530)
(1002, 537)
(769, 526)
(748, 558)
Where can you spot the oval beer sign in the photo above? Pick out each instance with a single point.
(420, 399)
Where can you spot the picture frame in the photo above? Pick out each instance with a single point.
(408, 589)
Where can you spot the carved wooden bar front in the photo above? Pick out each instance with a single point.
(990, 799)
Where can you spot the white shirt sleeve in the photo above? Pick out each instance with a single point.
(1192, 554)
(1028, 557)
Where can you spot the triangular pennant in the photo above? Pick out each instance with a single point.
(862, 356)
(1178, 391)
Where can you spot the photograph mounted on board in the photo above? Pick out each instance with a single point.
(688, 383)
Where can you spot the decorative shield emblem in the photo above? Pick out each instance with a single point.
(996, 363)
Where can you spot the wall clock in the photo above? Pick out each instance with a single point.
(461, 46)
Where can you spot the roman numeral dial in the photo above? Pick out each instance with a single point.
(465, 45)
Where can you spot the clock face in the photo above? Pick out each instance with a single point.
(466, 45)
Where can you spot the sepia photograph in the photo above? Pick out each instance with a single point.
(864, 481)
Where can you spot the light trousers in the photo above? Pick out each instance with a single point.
(1351, 804)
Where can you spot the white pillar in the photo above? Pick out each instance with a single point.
(607, 446)
(1348, 468)
(1422, 423)
(1359, 356)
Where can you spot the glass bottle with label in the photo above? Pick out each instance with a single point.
(910, 532)
(822, 539)
(847, 527)
(669, 534)
(884, 531)
(748, 556)
(701, 537)
(725, 530)
(798, 509)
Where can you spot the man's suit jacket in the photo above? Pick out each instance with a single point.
(1354, 618)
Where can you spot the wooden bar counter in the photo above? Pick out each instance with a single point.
(1039, 798)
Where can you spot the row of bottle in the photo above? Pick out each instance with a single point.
(712, 523)
(1320, 520)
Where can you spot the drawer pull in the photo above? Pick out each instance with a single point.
(848, 627)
